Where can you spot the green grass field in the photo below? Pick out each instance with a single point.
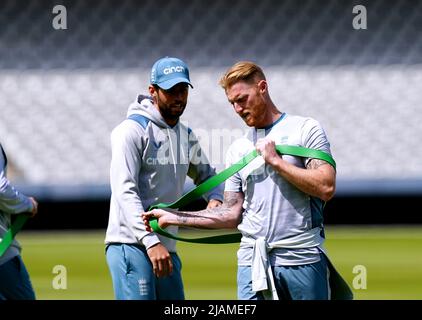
(392, 257)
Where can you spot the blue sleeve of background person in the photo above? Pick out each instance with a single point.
(126, 150)
(201, 170)
(11, 200)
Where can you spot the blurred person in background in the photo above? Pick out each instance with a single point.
(152, 154)
(15, 283)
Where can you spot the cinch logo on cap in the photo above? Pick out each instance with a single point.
(173, 69)
(167, 72)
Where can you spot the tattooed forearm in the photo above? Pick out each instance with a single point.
(231, 199)
(182, 218)
(226, 215)
(198, 219)
(315, 164)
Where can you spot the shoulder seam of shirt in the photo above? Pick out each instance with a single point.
(140, 119)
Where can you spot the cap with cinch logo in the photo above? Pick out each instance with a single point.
(167, 72)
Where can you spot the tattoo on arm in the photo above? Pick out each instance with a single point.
(182, 218)
(315, 164)
(231, 199)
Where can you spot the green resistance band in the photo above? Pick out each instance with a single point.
(214, 181)
(11, 233)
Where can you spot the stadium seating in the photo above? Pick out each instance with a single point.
(62, 91)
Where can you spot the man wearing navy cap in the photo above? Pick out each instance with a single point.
(152, 153)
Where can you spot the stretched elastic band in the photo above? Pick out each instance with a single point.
(214, 181)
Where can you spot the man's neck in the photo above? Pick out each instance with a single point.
(272, 117)
(172, 122)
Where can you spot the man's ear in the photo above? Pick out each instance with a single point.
(262, 86)
(153, 92)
